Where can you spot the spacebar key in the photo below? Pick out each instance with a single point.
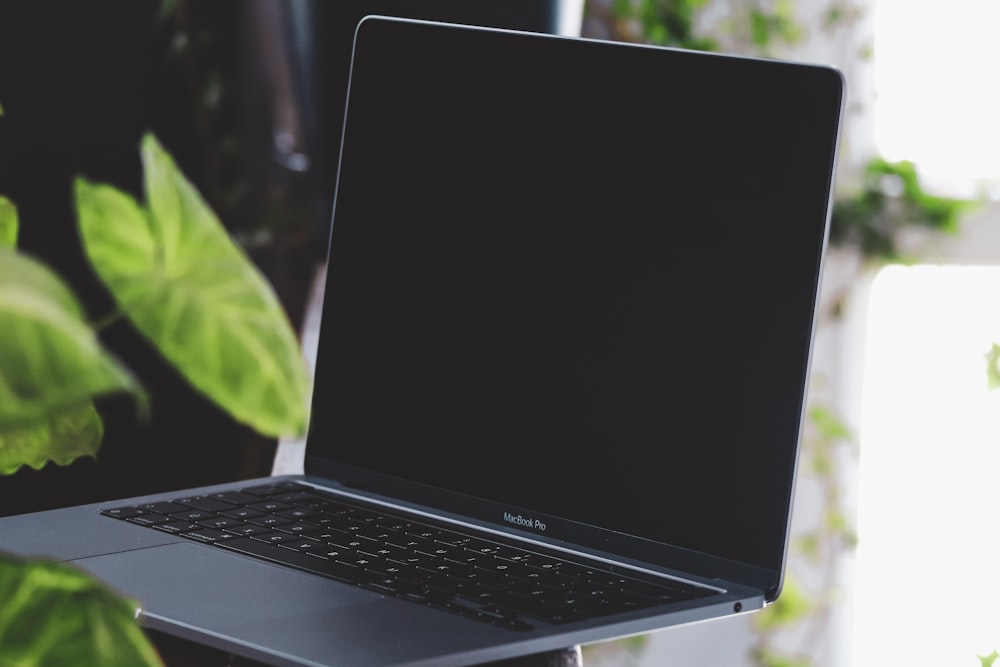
(301, 561)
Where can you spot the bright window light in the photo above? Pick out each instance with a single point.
(937, 102)
(928, 568)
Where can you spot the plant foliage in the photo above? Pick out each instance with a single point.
(55, 614)
(190, 290)
(8, 223)
(993, 368)
(665, 22)
(890, 199)
(51, 368)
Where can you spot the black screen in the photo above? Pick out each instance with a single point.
(578, 279)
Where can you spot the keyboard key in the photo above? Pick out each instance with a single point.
(194, 515)
(236, 497)
(220, 522)
(163, 508)
(177, 526)
(123, 512)
(273, 538)
(270, 506)
(148, 519)
(292, 497)
(269, 520)
(298, 513)
(242, 513)
(208, 535)
(305, 546)
(247, 530)
(350, 541)
(204, 503)
(265, 490)
(482, 546)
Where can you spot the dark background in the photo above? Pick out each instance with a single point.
(216, 81)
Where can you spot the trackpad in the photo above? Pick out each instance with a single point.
(208, 587)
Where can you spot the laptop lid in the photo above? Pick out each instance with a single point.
(571, 290)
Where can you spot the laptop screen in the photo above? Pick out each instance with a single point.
(572, 283)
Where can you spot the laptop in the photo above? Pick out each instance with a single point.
(560, 375)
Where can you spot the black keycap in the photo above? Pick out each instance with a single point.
(298, 513)
(298, 528)
(248, 530)
(148, 519)
(194, 515)
(305, 546)
(292, 497)
(242, 513)
(265, 490)
(177, 526)
(164, 507)
(220, 522)
(481, 546)
(208, 535)
(204, 503)
(269, 506)
(123, 512)
(349, 541)
(236, 497)
(269, 521)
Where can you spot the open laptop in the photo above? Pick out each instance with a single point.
(561, 369)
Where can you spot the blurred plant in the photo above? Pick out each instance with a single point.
(181, 281)
(662, 22)
(55, 614)
(748, 25)
(890, 199)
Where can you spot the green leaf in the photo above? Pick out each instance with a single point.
(8, 223)
(810, 546)
(829, 425)
(51, 367)
(987, 661)
(993, 367)
(55, 614)
(760, 28)
(62, 438)
(836, 521)
(190, 290)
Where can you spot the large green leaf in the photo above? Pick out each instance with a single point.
(187, 287)
(55, 614)
(51, 367)
(62, 438)
(8, 223)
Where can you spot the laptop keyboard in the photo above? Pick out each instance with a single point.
(429, 564)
